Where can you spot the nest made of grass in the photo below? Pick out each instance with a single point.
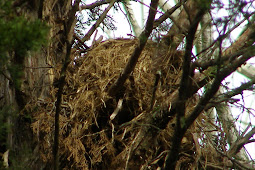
(85, 133)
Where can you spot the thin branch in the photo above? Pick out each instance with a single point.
(227, 96)
(98, 22)
(228, 124)
(236, 162)
(223, 73)
(138, 50)
(149, 6)
(177, 32)
(167, 14)
(235, 147)
(61, 82)
(131, 17)
(199, 80)
(236, 49)
(95, 4)
(46, 67)
(184, 93)
(204, 64)
(70, 24)
(226, 34)
(7, 76)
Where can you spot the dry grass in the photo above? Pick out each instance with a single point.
(89, 139)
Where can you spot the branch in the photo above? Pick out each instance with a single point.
(226, 96)
(204, 64)
(138, 50)
(186, 123)
(226, 34)
(184, 93)
(247, 70)
(164, 5)
(235, 147)
(61, 82)
(228, 124)
(245, 40)
(70, 24)
(167, 14)
(223, 73)
(6, 76)
(199, 80)
(177, 32)
(239, 164)
(131, 17)
(95, 4)
(98, 22)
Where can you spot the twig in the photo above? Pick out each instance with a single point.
(98, 22)
(46, 67)
(167, 14)
(226, 96)
(117, 109)
(235, 147)
(7, 76)
(225, 35)
(149, 6)
(234, 161)
(223, 73)
(95, 4)
(203, 65)
(200, 107)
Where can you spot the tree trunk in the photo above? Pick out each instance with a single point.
(40, 71)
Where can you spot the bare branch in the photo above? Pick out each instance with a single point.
(225, 35)
(95, 4)
(98, 22)
(61, 81)
(242, 165)
(184, 92)
(204, 64)
(247, 70)
(245, 40)
(235, 147)
(134, 57)
(167, 14)
(180, 28)
(223, 73)
(131, 16)
(225, 97)
(228, 124)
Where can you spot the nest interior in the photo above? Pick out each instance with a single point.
(96, 130)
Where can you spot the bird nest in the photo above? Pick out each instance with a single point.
(96, 130)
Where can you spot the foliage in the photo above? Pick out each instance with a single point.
(18, 36)
(4, 127)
